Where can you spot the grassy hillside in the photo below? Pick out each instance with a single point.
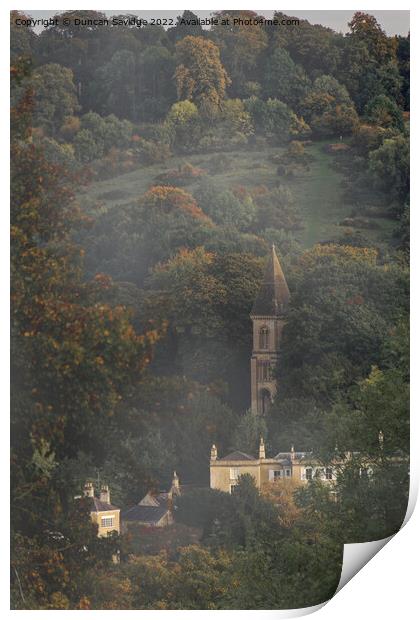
(317, 191)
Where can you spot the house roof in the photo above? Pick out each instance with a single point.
(287, 455)
(96, 505)
(237, 455)
(145, 514)
(274, 295)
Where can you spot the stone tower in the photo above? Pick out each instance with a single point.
(268, 320)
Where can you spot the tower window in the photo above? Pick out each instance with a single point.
(265, 401)
(264, 370)
(264, 337)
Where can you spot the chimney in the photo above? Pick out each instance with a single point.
(88, 489)
(175, 483)
(213, 453)
(262, 449)
(292, 453)
(105, 495)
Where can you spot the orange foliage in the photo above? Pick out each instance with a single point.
(167, 199)
(281, 493)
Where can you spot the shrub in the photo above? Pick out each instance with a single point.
(149, 151)
(180, 176)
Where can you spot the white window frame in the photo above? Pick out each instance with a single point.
(107, 518)
(234, 473)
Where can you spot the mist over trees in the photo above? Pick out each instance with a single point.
(152, 169)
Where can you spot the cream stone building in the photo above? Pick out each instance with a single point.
(298, 466)
(102, 512)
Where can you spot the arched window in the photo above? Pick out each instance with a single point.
(265, 401)
(264, 337)
(264, 370)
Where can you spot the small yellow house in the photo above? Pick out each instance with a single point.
(102, 512)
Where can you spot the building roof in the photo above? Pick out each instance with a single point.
(237, 455)
(145, 514)
(274, 295)
(95, 505)
(287, 456)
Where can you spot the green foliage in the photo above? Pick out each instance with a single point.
(283, 79)
(275, 119)
(86, 148)
(277, 209)
(236, 121)
(328, 108)
(182, 123)
(390, 167)
(241, 47)
(339, 318)
(55, 96)
(224, 207)
(99, 135)
(314, 47)
(384, 112)
(248, 433)
(58, 153)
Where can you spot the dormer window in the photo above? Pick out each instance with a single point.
(264, 337)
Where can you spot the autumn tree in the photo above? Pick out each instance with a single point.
(146, 231)
(369, 65)
(281, 494)
(200, 75)
(365, 28)
(383, 111)
(73, 358)
(328, 108)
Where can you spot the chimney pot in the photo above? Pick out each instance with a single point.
(175, 483)
(105, 494)
(88, 489)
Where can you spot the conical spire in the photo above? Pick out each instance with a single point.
(273, 296)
